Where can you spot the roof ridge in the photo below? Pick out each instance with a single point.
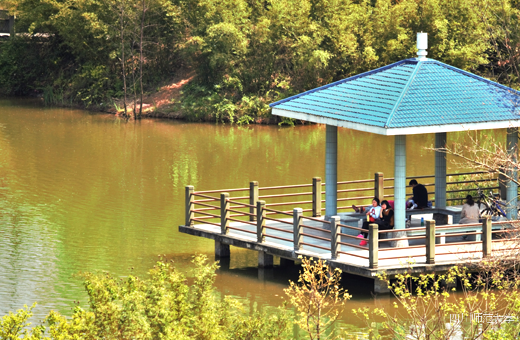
(364, 74)
(404, 91)
(471, 75)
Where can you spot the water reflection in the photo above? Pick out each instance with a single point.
(90, 192)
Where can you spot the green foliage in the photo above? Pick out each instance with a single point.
(15, 326)
(164, 306)
(317, 296)
(27, 65)
(426, 307)
(246, 54)
(467, 185)
(275, 49)
(168, 305)
(75, 49)
(91, 85)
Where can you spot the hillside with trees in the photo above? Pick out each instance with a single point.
(241, 54)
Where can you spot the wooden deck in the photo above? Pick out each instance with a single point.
(249, 220)
(352, 258)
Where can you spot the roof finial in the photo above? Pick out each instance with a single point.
(422, 45)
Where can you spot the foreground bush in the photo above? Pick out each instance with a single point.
(168, 306)
(164, 306)
(487, 305)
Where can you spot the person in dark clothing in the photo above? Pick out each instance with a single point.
(385, 221)
(420, 196)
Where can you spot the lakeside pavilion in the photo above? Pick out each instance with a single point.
(412, 96)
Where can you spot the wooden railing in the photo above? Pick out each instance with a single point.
(332, 231)
(431, 237)
(257, 217)
(308, 196)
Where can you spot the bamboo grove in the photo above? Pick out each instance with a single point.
(243, 54)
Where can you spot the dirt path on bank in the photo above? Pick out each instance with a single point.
(163, 103)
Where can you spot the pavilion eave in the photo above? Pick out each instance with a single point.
(414, 130)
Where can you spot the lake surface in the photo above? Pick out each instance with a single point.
(82, 191)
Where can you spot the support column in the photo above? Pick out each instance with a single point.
(264, 260)
(286, 262)
(440, 171)
(331, 171)
(400, 189)
(265, 274)
(512, 188)
(221, 249)
(380, 286)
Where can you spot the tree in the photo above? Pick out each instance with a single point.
(487, 308)
(317, 296)
(502, 21)
(164, 306)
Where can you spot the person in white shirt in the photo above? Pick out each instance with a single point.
(372, 213)
(470, 212)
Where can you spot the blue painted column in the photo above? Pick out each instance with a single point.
(440, 171)
(400, 182)
(400, 190)
(331, 171)
(512, 188)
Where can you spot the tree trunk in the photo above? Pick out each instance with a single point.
(134, 106)
(123, 69)
(141, 58)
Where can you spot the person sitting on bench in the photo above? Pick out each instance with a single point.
(419, 199)
(384, 219)
(362, 209)
(470, 212)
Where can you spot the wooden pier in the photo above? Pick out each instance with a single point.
(288, 234)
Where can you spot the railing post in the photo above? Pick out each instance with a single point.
(487, 243)
(224, 213)
(379, 186)
(335, 237)
(430, 242)
(316, 197)
(189, 214)
(260, 221)
(253, 197)
(373, 246)
(297, 228)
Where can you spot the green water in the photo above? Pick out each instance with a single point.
(82, 191)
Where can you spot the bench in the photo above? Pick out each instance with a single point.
(457, 229)
(442, 216)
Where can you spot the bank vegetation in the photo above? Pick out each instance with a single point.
(234, 57)
(479, 301)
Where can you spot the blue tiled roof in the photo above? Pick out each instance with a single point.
(409, 93)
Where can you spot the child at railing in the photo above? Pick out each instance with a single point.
(385, 220)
